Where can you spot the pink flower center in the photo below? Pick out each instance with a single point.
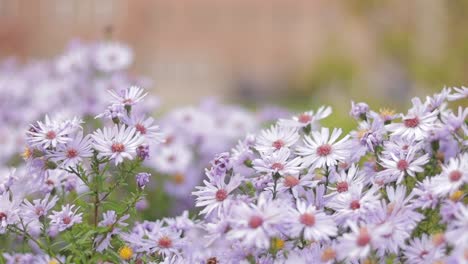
(171, 158)
(165, 242)
(117, 147)
(277, 166)
(39, 211)
(278, 144)
(304, 118)
(71, 153)
(3, 216)
(66, 220)
(255, 221)
(455, 175)
(221, 195)
(127, 101)
(51, 135)
(402, 165)
(355, 205)
(423, 254)
(342, 187)
(324, 150)
(307, 219)
(363, 239)
(141, 128)
(290, 181)
(411, 122)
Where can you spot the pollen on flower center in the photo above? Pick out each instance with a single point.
(140, 128)
(411, 122)
(221, 195)
(290, 181)
(278, 144)
(328, 254)
(165, 242)
(51, 135)
(125, 253)
(255, 221)
(66, 220)
(277, 166)
(118, 147)
(455, 175)
(402, 165)
(363, 238)
(324, 150)
(3, 216)
(71, 153)
(307, 219)
(304, 118)
(178, 178)
(355, 205)
(342, 186)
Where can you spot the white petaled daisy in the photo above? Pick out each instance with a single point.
(65, 218)
(307, 118)
(48, 134)
(323, 149)
(460, 93)
(38, 208)
(278, 162)
(129, 96)
(254, 225)
(396, 168)
(457, 230)
(422, 250)
(358, 244)
(276, 138)
(112, 56)
(160, 240)
(453, 176)
(344, 180)
(315, 224)
(295, 183)
(73, 152)
(416, 124)
(147, 128)
(215, 195)
(117, 143)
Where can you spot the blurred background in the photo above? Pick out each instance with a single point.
(297, 53)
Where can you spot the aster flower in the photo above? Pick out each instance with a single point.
(422, 250)
(278, 162)
(128, 97)
(48, 134)
(254, 225)
(457, 230)
(322, 150)
(215, 195)
(7, 180)
(396, 168)
(38, 208)
(172, 159)
(314, 224)
(345, 179)
(65, 218)
(112, 56)
(359, 110)
(417, 123)
(147, 128)
(9, 211)
(115, 224)
(306, 118)
(73, 152)
(358, 244)
(453, 176)
(460, 93)
(276, 138)
(163, 241)
(117, 143)
(295, 183)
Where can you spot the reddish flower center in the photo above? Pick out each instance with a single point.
(423, 253)
(342, 187)
(278, 144)
(307, 219)
(277, 166)
(71, 153)
(363, 238)
(117, 147)
(39, 211)
(51, 135)
(355, 205)
(66, 220)
(49, 182)
(128, 101)
(455, 175)
(402, 165)
(3, 216)
(290, 181)
(255, 221)
(165, 242)
(171, 158)
(221, 195)
(304, 118)
(324, 150)
(141, 128)
(411, 122)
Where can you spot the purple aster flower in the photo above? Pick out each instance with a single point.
(306, 118)
(276, 138)
(112, 221)
(359, 110)
(73, 152)
(278, 162)
(422, 250)
(65, 218)
(142, 179)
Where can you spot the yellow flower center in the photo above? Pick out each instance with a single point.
(125, 253)
(27, 153)
(386, 113)
(277, 243)
(53, 261)
(456, 196)
(178, 178)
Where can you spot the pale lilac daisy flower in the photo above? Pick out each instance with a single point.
(422, 250)
(65, 218)
(306, 118)
(396, 168)
(38, 208)
(278, 162)
(312, 223)
(9, 211)
(454, 175)
(276, 138)
(115, 223)
(460, 93)
(48, 134)
(129, 96)
(73, 152)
